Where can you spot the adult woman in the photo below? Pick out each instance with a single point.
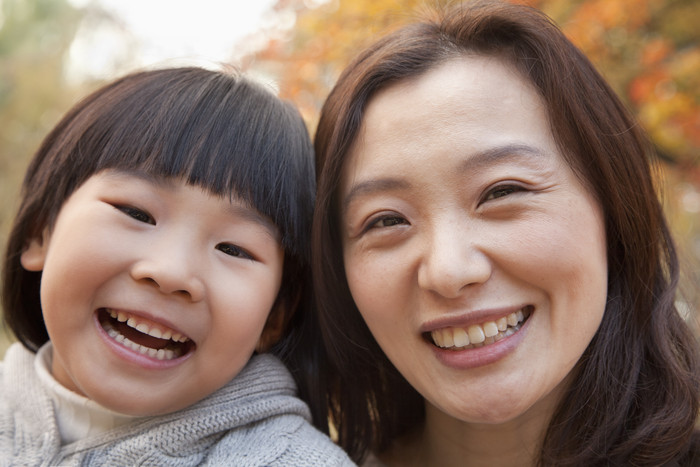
(495, 276)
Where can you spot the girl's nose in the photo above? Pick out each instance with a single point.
(171, 267)
(452, 261)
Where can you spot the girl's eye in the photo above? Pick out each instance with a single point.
(501, 191)
(138, 214)
(233, 250)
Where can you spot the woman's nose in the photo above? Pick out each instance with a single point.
(171, 266)
(452, 261)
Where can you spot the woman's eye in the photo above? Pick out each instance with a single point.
(387, 221)
(138, 214)
(501, 191)
(233, 250)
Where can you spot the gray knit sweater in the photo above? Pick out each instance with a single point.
(255, 420)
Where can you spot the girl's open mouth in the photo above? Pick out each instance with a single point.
(143, 336)
(479, 335)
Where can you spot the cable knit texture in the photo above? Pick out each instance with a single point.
(255, 420)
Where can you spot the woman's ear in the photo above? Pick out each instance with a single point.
(34, 254)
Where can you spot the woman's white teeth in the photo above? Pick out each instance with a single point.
(460, 338)
(490, 329)
(502, 324)
(515, 318)
(160, 354)
(145, 328)
(478, 335)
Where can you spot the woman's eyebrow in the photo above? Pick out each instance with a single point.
(501, 155)
(373, 186)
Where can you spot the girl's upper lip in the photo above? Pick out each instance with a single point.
(467, 318)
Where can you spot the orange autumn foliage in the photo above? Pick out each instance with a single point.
(648, 49)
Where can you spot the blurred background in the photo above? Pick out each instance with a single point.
(52, 52)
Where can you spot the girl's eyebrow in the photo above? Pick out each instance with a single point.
(477, 161)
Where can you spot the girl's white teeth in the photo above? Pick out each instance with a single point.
(179, 338)
(160, 354)
(146, 328)
(478, 335)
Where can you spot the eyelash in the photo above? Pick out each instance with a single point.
(233, 250)
(137, 214)
(501, 191)
(387, 217)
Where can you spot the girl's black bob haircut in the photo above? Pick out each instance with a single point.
(213, 129)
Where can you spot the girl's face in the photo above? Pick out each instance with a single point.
(475, 255)
(154, 292)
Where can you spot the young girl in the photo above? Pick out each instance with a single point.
(162, 238)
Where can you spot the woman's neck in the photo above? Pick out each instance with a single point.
(446, 441)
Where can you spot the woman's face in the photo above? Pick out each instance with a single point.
(475, 255)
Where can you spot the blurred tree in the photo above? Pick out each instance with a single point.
(34, 37)
(649, 50)
(326, 35)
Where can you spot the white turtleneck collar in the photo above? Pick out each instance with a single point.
(77, 416)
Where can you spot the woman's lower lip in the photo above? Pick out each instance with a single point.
(482, 356)
(136, 358)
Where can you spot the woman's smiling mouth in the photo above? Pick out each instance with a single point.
(144, 337)
(479, 335)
